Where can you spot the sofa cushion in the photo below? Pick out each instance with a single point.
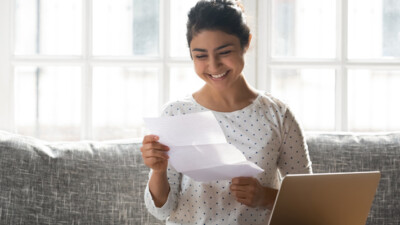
(71, 183)
(363, 152)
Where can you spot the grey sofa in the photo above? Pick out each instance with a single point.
(102, 183)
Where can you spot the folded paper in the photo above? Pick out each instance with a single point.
(198, 147)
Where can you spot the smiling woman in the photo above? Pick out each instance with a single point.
(259, 125)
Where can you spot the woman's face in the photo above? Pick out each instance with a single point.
(218, 58)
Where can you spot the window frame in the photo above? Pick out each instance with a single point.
(6, 80)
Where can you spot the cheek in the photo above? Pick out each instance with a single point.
(237, 62)
(241, 63)
(198, 67)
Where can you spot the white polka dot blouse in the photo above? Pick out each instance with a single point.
(268, 135)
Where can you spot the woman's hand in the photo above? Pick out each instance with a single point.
(154, 154)
(249, 191)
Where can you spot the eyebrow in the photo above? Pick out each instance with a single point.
(218, 48)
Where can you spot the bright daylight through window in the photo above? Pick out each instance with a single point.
(92, 69)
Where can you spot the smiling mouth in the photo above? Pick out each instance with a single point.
(217, 76)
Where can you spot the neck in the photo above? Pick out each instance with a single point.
(229, 99)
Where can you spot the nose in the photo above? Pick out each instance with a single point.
(214, 63)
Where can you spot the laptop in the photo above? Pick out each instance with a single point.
(325, 199)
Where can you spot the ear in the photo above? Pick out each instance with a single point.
(248, 44)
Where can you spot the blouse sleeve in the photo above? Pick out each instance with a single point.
(294, 157)
(174, 180)
(163, 212)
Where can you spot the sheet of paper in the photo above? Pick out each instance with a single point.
(205, 156)
(225, 172)
(198, 147)
(191, 129)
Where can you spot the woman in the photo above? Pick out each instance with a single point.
(262, 127)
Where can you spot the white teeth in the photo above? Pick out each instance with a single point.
(218, 75)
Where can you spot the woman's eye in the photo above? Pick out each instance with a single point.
(201, 56)
(225, 52)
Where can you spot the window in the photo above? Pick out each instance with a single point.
(93, 69)
(85, 69)
(336, 63)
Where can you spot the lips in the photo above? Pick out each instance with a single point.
(218, 76)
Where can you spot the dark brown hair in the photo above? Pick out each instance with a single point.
(223, 15)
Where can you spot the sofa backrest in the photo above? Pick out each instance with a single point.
(71, 183)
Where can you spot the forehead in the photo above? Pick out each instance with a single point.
(213, 38)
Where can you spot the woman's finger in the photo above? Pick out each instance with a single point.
(243, 180)
(154, 145)
(150, 138)
(235, 187)
(155, 153)
(153, 160)
(240, 194)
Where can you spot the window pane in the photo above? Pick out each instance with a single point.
(179, 12)
(183, 81)
(48, 27)
(374, 100)
(374, 29)
(126, 27)
(48, 102)
(121, 98)
(310, 93)
(304, 28)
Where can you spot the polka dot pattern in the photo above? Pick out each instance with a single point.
(267, 134)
